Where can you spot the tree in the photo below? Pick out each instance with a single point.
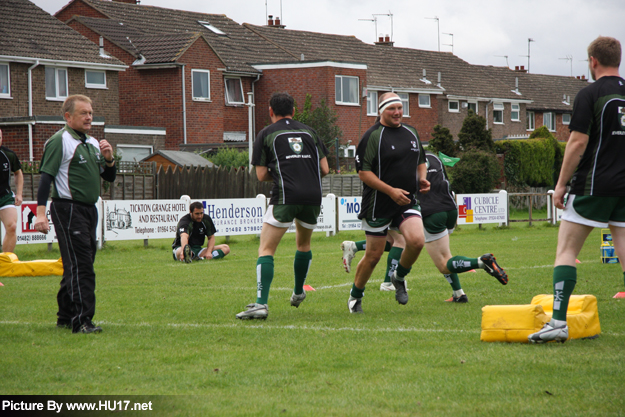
(474, 135)
(477, 171)
(323, 119)
(442, 141)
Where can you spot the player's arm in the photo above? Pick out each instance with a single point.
(19, 186)
(572, 155)
(184, 239)
(324, 167)
(398, 195)
(263, 174)
(211, 244)
(424, 184)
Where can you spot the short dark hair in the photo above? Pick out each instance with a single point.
(606, 50)
(282, 104)
(195, 205)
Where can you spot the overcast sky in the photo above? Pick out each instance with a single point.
(484, 31)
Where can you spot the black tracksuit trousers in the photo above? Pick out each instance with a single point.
(75, 226)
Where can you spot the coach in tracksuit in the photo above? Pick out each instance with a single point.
(75, 162)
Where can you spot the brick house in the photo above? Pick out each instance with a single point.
(193, 74)
(187, 72)
(42, 61)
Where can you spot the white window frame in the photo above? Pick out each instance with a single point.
(120, 147)
(531, 121)
(208, 74)
(212, 28)
(405, 102)
(515, 108)
(422, 103)
(94, 85)
(469, 103)
(372, 103)
(57, 96)
(349, 151)
(457, 109)
(498, 109)
(228, 99)
(338, 87)
(6, 94)
(566, 121)
(552, 117)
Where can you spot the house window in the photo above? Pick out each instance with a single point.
(95, 79)
(498, 113)
(372, 103)
(346, 89)
(549, 120)
(453, 106)
(404, 103)
(530, 121)
(234, 91)
(133, 153)
(566, 118)
(56, 83)
(201, 85)
(212, 28)
(515, 114)
(424, 100)
(5, 81)
(472, 106)
(349, 151)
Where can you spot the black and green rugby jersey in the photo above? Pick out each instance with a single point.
(75, 164)
(197, 231)
(292, 151)
(9, 163)
(599, 112)
(393, 155)
(439, 199)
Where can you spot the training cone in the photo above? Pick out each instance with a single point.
(577, 261)
(618, 294)
(1, 284)
(309, 288)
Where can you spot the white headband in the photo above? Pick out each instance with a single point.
(388, 102)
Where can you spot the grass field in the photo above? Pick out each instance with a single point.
(170, 333)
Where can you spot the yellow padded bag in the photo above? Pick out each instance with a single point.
(582, 316)
(512, 323)
(11, 266)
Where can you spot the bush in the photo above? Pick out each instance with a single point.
(476, 172)
(323, 119)
(229, 157)
(442, 141)
(534, 162)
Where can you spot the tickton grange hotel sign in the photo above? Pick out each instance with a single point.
(236, 216)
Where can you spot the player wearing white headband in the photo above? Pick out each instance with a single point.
(391, 164)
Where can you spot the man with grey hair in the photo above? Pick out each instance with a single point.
(593, 162)
(75, 162)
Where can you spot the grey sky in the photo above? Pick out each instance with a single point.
(483, 30)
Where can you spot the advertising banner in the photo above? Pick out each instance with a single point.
(348, 210)
(142, 219)
(242, 216)
(26, 218)
(482, 208)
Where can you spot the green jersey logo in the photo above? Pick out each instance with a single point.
(296, 145)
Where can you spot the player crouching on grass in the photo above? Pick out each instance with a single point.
(191, 232)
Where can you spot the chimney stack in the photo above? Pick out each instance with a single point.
(277, 21)
(270, 22)
(384, 40)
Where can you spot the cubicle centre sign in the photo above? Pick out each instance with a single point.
(482, 208)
